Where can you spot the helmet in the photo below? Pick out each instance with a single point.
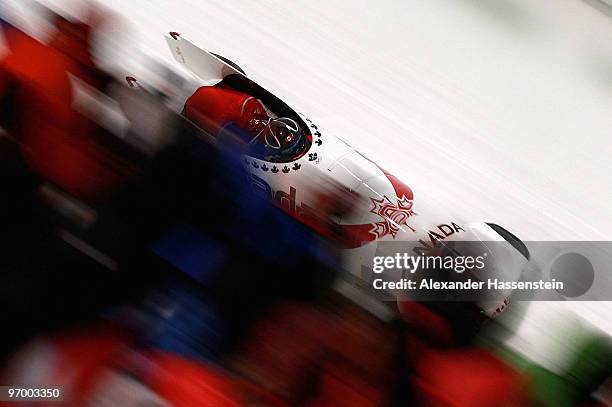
(275, 139)
(282, 138)
(282, 135)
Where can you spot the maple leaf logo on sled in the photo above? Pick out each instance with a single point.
(395, 216)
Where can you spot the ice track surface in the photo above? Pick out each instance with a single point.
(502, 107)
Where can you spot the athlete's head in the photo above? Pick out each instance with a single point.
(282, 133)
(282, 136)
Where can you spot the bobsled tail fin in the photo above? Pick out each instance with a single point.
(201, 63)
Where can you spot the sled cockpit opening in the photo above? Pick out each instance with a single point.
(286, 136)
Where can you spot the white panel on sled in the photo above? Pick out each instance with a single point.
(353, 169)
(202, 63)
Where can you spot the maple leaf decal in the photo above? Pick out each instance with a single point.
(395, 216)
